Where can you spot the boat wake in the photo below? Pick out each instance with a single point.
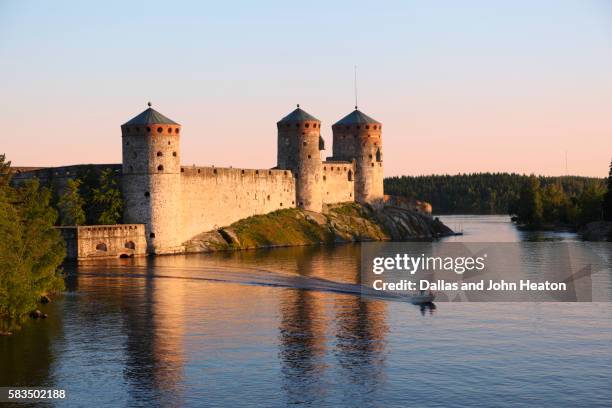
(249, 276)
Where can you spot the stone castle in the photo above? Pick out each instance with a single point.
(175, 203)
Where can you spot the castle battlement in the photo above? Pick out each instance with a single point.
(212, 171)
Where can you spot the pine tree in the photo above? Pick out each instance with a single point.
(31, 249)
(607, 201)
(590, 203)
(530, 210)
(71, 204)
(107, 197)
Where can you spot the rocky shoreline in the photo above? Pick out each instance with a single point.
(597, 231)
(338, 223)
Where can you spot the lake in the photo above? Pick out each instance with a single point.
(238, 329)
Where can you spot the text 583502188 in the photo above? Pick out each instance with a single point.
(8, 394)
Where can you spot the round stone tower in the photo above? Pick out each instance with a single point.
(299, 136)
(152, 179)
(359, 137)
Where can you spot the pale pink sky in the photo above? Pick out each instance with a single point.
(473, 88)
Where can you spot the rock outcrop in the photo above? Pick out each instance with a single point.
(597, 231)
(348, 222)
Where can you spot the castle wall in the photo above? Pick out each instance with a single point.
(104, 241)
(57, 178)
(338, 182)
(213, 197)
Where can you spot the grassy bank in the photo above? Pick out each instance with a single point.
(349, 222)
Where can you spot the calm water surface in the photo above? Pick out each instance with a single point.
(237, 329)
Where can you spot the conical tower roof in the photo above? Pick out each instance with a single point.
(356, 117)
(150, 117)
(298, 115)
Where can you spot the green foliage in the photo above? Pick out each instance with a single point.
(281, 227)
(551, 205)
(607, 200)
(590, 203)
(530, 206)
(478, 193)
(70, 204)
(31, 250)
(93, 198)
(107, 198)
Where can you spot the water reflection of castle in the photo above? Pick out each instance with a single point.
(321, 337)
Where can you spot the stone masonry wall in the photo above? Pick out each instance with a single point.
(104, 241)
(213, 197)
(338, 182)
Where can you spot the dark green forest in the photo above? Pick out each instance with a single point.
(482, 193)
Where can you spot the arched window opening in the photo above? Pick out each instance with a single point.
(160, 168)
(159, 129)
(174, 154)
(159, 154)
(101, 247)
(130, 245)
(378, 155)
(152, 235)
(350, 175)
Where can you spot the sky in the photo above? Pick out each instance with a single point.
(460, 86)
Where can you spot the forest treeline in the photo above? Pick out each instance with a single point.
(478, 193)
